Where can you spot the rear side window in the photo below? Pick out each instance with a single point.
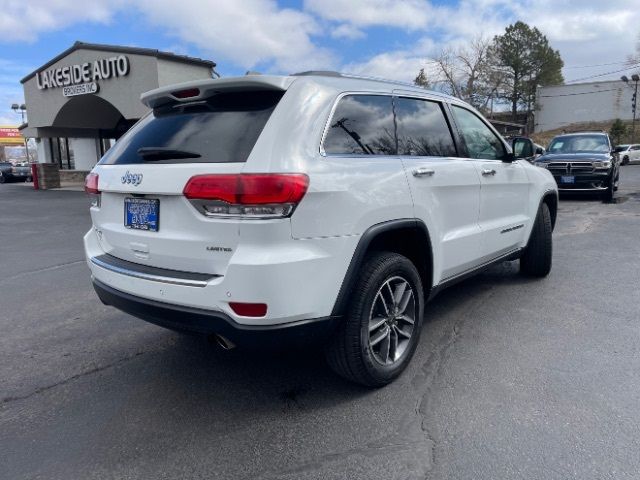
(423, 129)
(221, 129)
(362, 125)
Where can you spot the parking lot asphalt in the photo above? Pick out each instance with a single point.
(514, 378)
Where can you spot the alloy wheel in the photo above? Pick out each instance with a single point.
(391, 320)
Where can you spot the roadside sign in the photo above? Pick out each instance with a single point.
(10, 135)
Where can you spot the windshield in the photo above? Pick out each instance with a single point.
(221, 129)
(579, 144)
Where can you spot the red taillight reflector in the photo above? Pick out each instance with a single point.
(249, 309)
(248, 188)
(91, 184)
(188, 93)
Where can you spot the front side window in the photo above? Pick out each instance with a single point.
(422, 129)
(362, 125)
(480, 140)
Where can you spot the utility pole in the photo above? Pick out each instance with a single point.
(634, 99)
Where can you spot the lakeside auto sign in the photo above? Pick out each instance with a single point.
(82, 78)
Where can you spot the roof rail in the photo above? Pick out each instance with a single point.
(320, 73)
(330, 73)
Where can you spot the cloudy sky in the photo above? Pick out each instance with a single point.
(385, 38)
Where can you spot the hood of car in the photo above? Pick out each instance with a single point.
(574, 157)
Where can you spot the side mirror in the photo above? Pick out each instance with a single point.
(539, 151)
(522, 147)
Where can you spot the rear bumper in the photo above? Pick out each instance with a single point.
(208, 322)
(297, 279)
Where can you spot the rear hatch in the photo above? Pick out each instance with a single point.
(144, 216)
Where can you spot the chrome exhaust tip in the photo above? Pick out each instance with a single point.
(224, 342)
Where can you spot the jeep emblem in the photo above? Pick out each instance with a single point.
(134, 179)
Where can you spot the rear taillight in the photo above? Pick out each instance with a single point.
(249, 309)
(91, 188)
(248, 195)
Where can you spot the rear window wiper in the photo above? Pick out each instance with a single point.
(149, 154)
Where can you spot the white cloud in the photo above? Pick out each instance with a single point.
(586, 32)
(9, 120)
(11, 90)
(24, 20)
(401, 65)
(409, 14)
(347, 31)
(246, 33)
(260, 34)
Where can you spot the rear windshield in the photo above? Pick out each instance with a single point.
(222, 129)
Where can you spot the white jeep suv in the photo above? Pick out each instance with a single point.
(316, 206)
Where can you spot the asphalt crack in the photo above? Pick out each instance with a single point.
(37, 391)
(433, 367)
(412, 440)
(40, 270)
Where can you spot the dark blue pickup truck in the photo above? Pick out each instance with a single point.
(19, 173)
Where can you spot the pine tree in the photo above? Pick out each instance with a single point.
(618, 130)
(527, 59)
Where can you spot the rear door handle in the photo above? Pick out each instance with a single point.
(423, 172)
(486, 172)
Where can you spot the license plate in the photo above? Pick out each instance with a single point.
(568, 179)
(142, 213)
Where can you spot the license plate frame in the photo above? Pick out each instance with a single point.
(568, 179)
(147, 216)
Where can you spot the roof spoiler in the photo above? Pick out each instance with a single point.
(202, 89)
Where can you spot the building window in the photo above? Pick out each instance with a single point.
(62, 153)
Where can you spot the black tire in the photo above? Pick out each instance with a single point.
(537, 258)
(350, 352)
(609, 193)
(29, 179)
(625, 161)
(2, 178)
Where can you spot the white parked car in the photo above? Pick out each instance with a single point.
(313, 206)
(628, 153)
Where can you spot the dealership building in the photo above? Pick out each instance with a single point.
(84, 99)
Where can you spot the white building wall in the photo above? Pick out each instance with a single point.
(172, 72)
(85, 152)
(561, 105)
(44, 152)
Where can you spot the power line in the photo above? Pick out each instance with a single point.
(603, 74)
(596, 65)
(581, 93)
